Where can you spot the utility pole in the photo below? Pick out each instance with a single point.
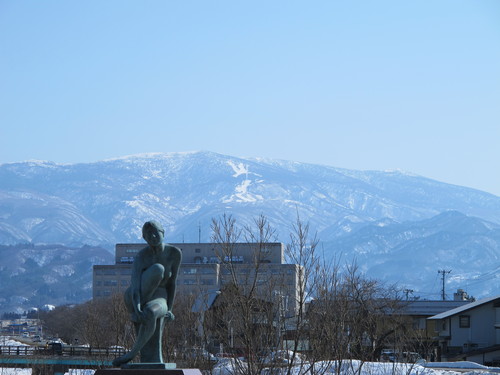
(199, 232)
(443, 275)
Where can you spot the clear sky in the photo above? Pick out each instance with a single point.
(411, 85)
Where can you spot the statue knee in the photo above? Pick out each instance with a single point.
(153, 311)
(157, 271)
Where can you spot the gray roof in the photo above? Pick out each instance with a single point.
(204, 301)
(431, 308)
(461, 309)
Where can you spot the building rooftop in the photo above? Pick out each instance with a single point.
(466, 307)
(431, 308)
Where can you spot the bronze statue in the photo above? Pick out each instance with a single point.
(150, 296)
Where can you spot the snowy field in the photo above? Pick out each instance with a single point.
(374, 368)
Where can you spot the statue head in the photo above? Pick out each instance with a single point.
(153, 232)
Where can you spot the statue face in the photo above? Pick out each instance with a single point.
(153, 236)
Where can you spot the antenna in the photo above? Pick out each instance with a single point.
(199, 232)
(443, 275)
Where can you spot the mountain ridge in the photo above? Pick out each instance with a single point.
(106, 202)
(176, 186)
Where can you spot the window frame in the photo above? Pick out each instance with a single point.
(464, 321)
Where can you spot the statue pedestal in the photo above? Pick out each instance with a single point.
(149, 366)
(149, 369)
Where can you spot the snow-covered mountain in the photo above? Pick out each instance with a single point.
(35, 275)
(411, 253)
(108, 201)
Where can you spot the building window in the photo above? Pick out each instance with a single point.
(444, 326)
(464, 321)
(233, 259)
(197, 251)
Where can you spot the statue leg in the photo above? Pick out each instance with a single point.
(150, 280)
(152, 350)
(145, 332)
(154, 310)
(148, 340)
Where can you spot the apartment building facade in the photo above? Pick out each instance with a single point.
(209, 266)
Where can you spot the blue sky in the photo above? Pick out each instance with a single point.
(411, 85)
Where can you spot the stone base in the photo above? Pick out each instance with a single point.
(148, 371)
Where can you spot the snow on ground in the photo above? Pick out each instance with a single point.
(15, 371)
(228, 367)
(11, 342)
(369, 368)
(462, 365)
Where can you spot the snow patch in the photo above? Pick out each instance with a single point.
(41, 258)
(238, 169)
(242, 194)
(64, 270)
(30, 223)
(18, 271)
(241, 169)
(346, 228)
(155, 173)
(49, 279)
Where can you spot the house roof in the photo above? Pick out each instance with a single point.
(431, 308)
(204, 301)
(461, 309)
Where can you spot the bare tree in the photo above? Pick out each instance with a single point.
(99, 323)
(244, 320)
(301, 251)
(107, 323)
(355, 317)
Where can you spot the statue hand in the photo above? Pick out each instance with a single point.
(169, 316)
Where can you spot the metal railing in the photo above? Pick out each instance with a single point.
(70, 351)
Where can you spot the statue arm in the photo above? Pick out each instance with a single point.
(171, 284)
(136, 286)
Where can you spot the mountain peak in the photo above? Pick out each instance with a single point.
(107, 202)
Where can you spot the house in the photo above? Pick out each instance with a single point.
(420, 310)
(470, 332)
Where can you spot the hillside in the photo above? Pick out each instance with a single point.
(388, 221)
(32, 276)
